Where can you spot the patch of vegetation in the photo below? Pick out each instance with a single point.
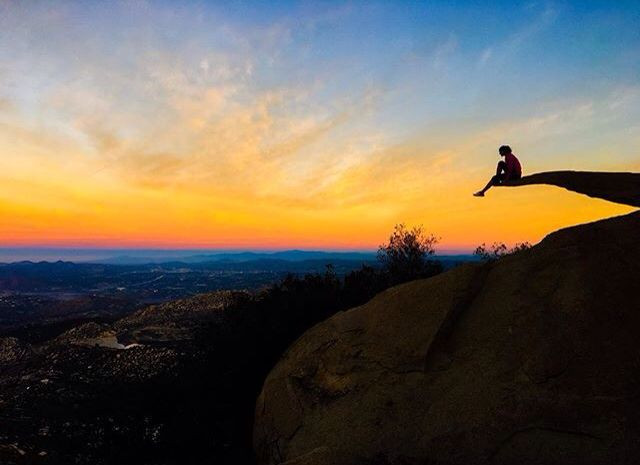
(408, 255)
(498, 249)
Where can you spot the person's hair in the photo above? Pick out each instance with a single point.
(504, 149)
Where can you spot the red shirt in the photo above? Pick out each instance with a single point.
(513, 166)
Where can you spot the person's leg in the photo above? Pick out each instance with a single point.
(500, 169)
(492, 182)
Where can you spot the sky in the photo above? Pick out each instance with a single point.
(272, 125)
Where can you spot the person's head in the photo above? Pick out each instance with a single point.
(504, 150)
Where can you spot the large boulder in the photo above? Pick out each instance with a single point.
(532, 359)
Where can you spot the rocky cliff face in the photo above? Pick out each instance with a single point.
(532, 359)
(616, 187)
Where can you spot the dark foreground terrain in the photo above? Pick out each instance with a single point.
(149, 388)
(170, 383)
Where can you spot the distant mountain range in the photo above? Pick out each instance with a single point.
(239, 257)
(148, 256)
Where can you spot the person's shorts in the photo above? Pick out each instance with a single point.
(514, 177)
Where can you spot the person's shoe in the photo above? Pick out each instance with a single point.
(479, 194)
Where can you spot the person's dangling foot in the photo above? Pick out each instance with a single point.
(478, 194)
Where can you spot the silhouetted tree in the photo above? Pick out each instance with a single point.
(408, 253)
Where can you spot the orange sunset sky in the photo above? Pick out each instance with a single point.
(144, 124)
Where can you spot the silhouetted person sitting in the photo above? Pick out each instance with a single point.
(508, 170)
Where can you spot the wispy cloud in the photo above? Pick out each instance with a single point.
(485, 56)
(444, 50)
(541, 19)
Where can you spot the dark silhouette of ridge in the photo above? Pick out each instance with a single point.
(621, 188)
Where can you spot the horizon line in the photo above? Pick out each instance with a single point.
(447, 250)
